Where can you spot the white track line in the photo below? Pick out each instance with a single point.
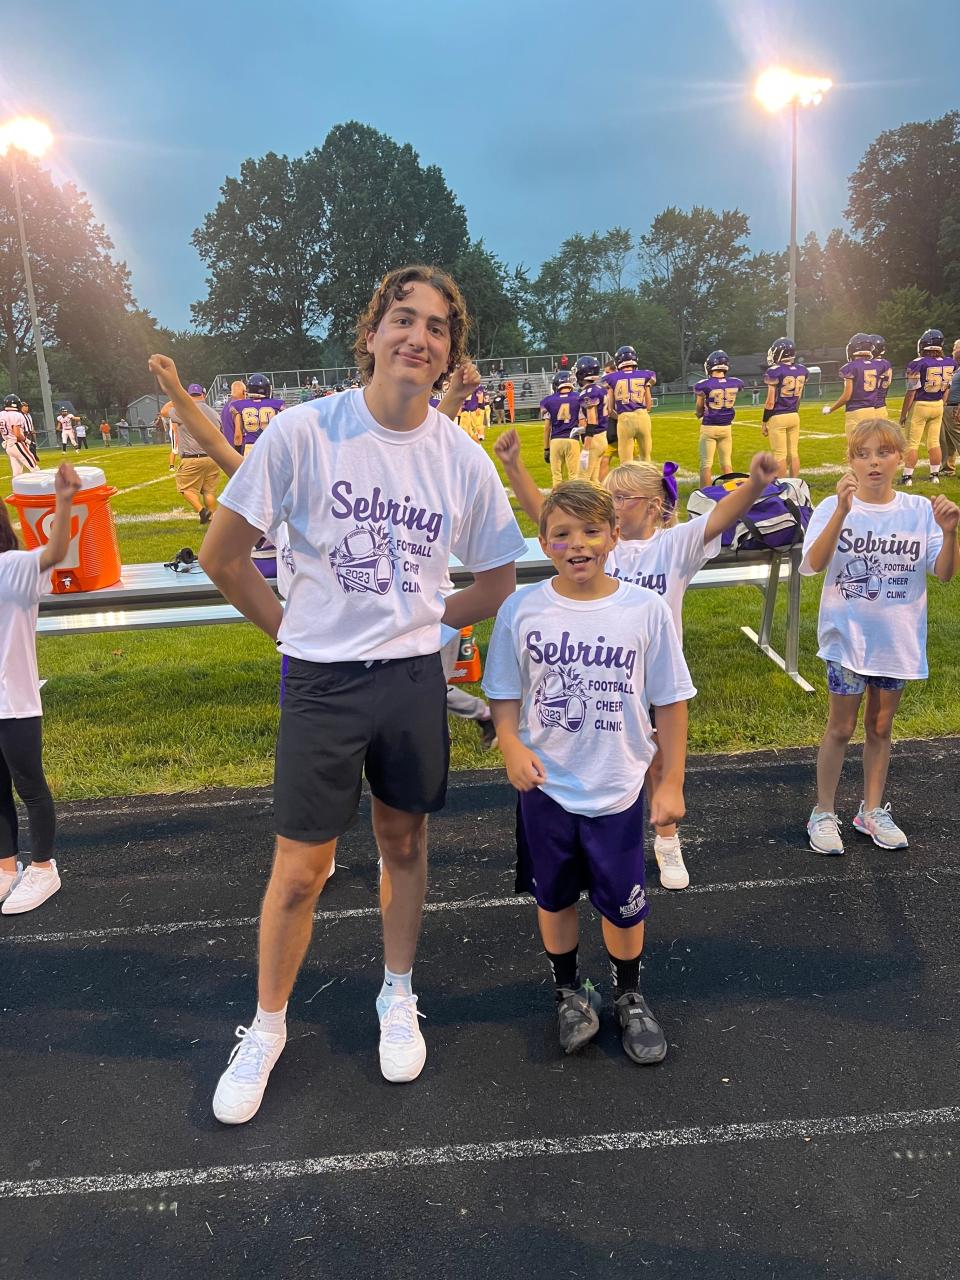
(483, 1153)
(470, 904)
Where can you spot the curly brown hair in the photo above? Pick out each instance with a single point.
(394, 287)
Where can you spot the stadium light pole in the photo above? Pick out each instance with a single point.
(775, 89)
(34, 138)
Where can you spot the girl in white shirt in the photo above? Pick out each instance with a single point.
(24, 577)
(877, 546)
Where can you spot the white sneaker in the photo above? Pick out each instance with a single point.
(9, 881)
(823, 830)
(879, 825)
(403, 1050)
(34, 888)
(241, 1088)
(673, 873)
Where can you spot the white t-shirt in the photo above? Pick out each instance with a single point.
(873, 611)
(586, 672)
(21, 586)
(665, 563)
(372, 519)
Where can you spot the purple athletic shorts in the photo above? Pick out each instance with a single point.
(561, 854)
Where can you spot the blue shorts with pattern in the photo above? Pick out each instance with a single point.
(841, 679)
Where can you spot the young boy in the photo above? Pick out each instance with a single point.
(632, 400)
(877, 546)
(716, 408)
(863, 383)
(371, 533)
(928, 385)
(594, 411)
(574, 666)
(785, 380)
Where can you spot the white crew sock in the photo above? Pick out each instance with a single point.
(272, 1024)
(395, 985)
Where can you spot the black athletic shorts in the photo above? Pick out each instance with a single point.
(340, 720)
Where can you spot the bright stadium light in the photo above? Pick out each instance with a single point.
(33, 138)
(775, 89)
(26, 134)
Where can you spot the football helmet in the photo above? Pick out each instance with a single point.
(861, 344)
(625, 355)
(930, 340)
(11, 402)
(586, 367)
(196, 390)
(878, 345)
(716, 360)
(781, 350)
(562, 379)
(258, 386)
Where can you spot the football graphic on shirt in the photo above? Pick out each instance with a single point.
(364, 560)
(860, 579)
(560, 700)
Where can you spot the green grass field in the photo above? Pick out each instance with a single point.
(195, 707)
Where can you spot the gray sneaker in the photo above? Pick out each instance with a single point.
(641, 1034)
(823, 831)
(577, 1016)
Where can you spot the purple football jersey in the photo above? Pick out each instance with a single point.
(929, 376)
(253, 416)
(865, 376)
(884, 378)
(435, 400)
(593, 407)
(719, 399)
(475, 400)
(563, 411)
(629, 388)
(788, 380)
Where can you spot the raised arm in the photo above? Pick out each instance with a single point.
(821, 553)
(507, 449)
(200, 426)
(763, 471)
(66, 484)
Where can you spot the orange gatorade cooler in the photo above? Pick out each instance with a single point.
(93, 559)
(468, 669)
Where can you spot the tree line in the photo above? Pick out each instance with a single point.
(295, 246)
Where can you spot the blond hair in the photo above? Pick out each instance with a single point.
(394, 287)
(642, 480)
(581, 499)
(883, 429)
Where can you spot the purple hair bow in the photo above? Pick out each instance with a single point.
(671, 493)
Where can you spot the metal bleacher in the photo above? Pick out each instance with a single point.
(530, 376)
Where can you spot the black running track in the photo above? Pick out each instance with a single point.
(805, 1125)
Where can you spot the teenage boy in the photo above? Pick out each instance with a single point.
(785, 379)
(863, 381)
(560, 412)
(574, 667)
(594, 412)
(371, 532)
(716, 408)
(632, 402)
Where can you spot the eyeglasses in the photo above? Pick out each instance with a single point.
(621, 499)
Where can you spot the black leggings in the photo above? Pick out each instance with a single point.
(21, 766)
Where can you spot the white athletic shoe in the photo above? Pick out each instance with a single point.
(34, 888)
(241, 1088)
(879, 825)
(9, 881)
(403, 1050)
(823, 831)
(673, 873)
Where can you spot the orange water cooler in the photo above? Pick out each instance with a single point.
(93, 558)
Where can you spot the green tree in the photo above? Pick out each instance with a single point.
(898, 198)
(492, 295)
(692, 262)
(380, 208)
(906, 313)
(265, 249)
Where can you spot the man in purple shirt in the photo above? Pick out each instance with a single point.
(928, 384)
(716, 407)
(785, 380)
(560, 413)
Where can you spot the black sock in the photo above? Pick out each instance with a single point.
(566, 970)
(625, 974)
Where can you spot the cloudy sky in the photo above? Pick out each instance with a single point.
(543, 121)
